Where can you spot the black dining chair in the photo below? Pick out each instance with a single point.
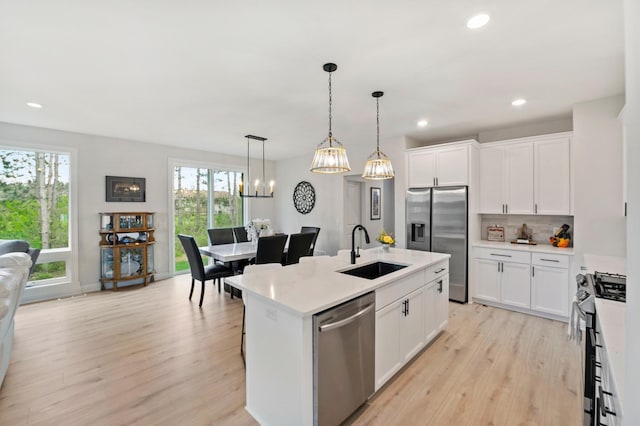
(241, 234)
(270, 249)
(198, 270)
(299, 246)
(220, 236)
(316, 231)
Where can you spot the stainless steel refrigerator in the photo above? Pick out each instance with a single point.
(437, 220)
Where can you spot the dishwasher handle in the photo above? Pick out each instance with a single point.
(348, 320)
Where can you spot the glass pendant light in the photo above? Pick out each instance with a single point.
(330, 156)
(378, 164)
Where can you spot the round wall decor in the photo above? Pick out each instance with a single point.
(304, 197)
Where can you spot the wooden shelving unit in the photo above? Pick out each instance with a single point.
(126, 249)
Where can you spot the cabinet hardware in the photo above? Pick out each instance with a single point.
(440, 286)
(503, 208)
(625, 209)
(506, 208)
(535, 209)
(434, 181)
(501, 255)
(603, 408)
(533, 271)
(407, 306)
(440, 270)
(550, 260)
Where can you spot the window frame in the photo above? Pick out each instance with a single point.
(177, 162)
(70, 284)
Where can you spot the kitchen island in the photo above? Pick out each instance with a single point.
(280, 305)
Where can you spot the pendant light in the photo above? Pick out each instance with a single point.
(330, 156)
(257, 184)
(378, 164)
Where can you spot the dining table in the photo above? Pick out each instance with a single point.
(230, 252)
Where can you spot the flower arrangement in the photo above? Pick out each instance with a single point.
(258, 227)
(385, 238)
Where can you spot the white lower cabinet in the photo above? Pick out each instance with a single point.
(531, 282)
(406, 324)
(515, 287)
(550, 287)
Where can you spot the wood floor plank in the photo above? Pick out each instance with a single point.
(148, 355)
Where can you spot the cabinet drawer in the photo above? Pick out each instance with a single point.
(398, 289)
(437, 271)
(553, 260)
(502, 255)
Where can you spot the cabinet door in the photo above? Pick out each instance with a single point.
(412, 325)
(388, 359)
(553, 176)
(452, 166)
(516, 284)
(422, 169)
(519, 178)
(431, 298)
(487, 280)
(550, 290)
(442, 303)
(492, 180)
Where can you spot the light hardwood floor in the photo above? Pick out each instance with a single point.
(149, 356)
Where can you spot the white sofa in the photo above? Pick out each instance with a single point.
(14, 273)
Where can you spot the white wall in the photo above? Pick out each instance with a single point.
(632, 134)
(597, 157)
(329, 208)
(101, 156)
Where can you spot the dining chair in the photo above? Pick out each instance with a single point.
(252, 270)
(241, 234)
(198, 270)
(270, 249)
(299, 246)
(312, 229)
(220, 236)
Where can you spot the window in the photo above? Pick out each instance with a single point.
(204, 198)
(34, 206)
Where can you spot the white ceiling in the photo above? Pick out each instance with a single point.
(202, 74)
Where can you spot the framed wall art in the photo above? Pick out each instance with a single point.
(375, 203)
(125, 189)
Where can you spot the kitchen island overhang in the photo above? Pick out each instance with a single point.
(280, 305)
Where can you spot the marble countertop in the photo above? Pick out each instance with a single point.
(538, 248)
(611, 316)
(314, 285)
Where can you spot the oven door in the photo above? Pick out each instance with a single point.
(590, 376)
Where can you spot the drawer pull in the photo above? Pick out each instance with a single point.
(440, 270)
(550, 260)
(501, 255)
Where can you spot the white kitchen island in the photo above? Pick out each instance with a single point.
(280, 305)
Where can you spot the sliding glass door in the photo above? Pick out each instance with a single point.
(204, 198)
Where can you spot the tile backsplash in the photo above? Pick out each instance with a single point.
(541, 226)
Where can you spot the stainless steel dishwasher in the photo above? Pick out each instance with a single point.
(343, 359)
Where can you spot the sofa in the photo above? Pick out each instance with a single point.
(14, 273)
(20, 246)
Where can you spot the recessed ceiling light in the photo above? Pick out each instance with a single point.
(423, 123)
(519, 102)
(34, 105)
(478, 21)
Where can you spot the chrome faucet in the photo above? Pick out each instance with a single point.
(353, 241)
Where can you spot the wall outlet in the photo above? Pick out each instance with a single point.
(272, 314)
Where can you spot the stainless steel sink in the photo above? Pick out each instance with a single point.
(373, 270)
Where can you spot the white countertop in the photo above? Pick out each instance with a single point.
(538, 248)
(315, 285)
(611, 316)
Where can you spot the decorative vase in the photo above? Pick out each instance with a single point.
(385, 247)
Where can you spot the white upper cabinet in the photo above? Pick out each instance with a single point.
(527, 176)
(552, 159)
(441, 165)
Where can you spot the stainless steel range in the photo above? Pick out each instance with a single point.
(601, 285)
